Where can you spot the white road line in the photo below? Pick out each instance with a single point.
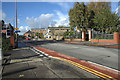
(103, 66)
(41, 52)
(34, 51)
(41, 55)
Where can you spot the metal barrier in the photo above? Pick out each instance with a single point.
(102, 36)
(75, 36)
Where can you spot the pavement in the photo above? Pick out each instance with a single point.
(26, 63)
(109, 45)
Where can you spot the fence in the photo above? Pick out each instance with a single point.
(102, 36)
(75, 36)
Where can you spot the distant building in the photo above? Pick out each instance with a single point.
(28, 34)
(56, 32)
(34, 31)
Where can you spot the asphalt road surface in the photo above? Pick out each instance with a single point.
(104, 56)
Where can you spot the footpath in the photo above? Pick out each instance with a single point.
(109, 45)
(25, 63)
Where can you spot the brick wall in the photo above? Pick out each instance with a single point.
(12, 41)
(73, 39)
(116, 39)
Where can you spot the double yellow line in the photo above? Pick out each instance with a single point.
(97, 73)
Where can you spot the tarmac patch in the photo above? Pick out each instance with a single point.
(25, 60)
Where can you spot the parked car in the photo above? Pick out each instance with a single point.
(28, 38)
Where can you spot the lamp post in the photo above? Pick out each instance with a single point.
(16, 23)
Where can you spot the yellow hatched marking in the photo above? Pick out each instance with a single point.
(87, 69)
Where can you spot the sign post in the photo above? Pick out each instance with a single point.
(16, 23)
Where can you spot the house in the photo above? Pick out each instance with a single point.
(8, 30)
(34, 31)
(39, 30)
(55, 32)
(28, 34)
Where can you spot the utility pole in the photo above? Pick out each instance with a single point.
(16, 23)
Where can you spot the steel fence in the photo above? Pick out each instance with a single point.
(102, 36)
(75, 36)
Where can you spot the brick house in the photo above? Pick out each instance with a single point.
(34, 31)
(28, 34)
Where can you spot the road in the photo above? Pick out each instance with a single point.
(104, 56)
(24, 63)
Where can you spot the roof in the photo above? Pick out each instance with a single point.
(28, 32)
(38, 29)
(58, 27)
(44, 31)
(10, 26)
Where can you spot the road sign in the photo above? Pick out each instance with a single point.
(17, 31)
(16, 28)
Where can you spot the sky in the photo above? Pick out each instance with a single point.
(39, 14)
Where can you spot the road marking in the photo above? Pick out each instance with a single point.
(21, 48)
(102, 75)
(41, 55)
(97, 73)
(25, 60)
(104, 66)
(75, 47)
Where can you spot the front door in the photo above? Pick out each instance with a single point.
(87, 36)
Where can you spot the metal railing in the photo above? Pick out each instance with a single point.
(102, 36)
(75, 36)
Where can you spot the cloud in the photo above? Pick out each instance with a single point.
(46, 20)
(42, 21)
(63, 19)
(53, 24)
(117, 11)
(2, 15)
(64, 5)
(23, 29)
(18, 21)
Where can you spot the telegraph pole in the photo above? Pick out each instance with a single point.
(16, 23)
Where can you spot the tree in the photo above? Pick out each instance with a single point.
(32, 36)
(68, 34)
(36, 33)
(106, 21)
(80, 16)
(41, 35)
(96, 6)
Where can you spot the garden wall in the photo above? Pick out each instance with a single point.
(73, 39)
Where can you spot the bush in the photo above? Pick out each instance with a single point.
(72, 35)
(41, 35)
(6, 43)
(99, 37)
(32, 36)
